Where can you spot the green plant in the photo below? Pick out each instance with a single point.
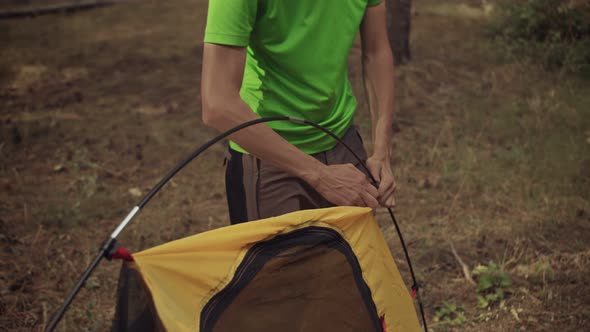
(545, 271)
(88, 312)
(94, 321)
(493, 284)
(450, 314)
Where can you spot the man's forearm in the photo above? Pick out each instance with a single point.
(261, 141)
(222, 76)
(379, 85)
(339, 184)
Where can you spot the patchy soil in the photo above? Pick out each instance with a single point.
(492, 157)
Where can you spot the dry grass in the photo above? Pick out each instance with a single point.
(493, 157)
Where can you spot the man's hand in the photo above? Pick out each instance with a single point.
(345, 185)
(380, 168)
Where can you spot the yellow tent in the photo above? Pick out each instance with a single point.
(315, 270)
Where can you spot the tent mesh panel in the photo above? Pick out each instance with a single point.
(306, 280)
(135, 310)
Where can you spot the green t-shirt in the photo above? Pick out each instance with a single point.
(296, 63)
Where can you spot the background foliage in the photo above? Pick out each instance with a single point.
(554, 33)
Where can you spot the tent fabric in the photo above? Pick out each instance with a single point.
(313, 270)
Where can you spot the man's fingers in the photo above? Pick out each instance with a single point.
(346, 185)
(390, 201)
(386, 191)
(389, 193)
(360, 201)
(386, 187)
(375, 171)
(372, 191)
(369, 200)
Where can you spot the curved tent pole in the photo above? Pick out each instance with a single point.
(110, 243)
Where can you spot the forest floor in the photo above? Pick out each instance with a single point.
(492, 157)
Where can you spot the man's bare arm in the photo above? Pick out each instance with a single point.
(223, 69)
(378, 80)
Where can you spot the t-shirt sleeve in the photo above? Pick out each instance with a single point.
(230, 22)
(372, 3)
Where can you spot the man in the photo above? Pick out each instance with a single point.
(288, 57)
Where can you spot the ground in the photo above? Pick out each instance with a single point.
(492, 158)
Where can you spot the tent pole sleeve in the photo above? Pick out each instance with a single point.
(58, 316)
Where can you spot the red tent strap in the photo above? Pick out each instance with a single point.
(414, 291)
(122, 253)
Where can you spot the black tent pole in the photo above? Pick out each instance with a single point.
(104, 252)
(57, 317)
(108, 246)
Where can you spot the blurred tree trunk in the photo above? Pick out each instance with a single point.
(398, 26)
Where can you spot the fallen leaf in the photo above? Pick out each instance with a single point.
(514, 314)
(27, 76)
(135, 192)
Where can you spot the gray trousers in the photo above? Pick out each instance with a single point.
(256, 189)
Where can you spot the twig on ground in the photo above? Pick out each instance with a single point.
(56, 9)
(25, 213)
(34, 241)
(464, 267)
(44, 324)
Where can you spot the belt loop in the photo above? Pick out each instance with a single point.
(227, 155)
